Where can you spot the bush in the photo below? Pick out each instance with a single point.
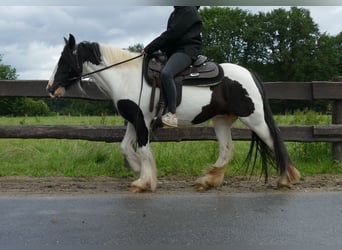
(34, 108)
(20, 106)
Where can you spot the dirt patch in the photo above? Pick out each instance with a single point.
(169, 185)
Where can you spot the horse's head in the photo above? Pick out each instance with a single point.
(68, 70)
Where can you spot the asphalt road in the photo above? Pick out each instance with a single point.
(106, 222)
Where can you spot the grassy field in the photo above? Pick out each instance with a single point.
(49, 157)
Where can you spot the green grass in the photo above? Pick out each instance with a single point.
(60, 120)
(49, 157)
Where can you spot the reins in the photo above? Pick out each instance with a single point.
(105, 68)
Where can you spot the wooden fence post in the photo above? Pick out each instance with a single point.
(337, 119)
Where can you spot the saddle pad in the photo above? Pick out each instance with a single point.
(208, 74)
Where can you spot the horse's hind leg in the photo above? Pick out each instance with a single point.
(288, 172)
(215, 174)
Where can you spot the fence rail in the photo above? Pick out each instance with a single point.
(321, 133)
(324, 90)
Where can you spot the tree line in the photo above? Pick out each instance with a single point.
(280, 45)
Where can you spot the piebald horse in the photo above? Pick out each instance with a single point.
(242, 97)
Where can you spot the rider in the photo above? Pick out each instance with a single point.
(182, 44)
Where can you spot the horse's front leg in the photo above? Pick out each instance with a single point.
(215, 174)
(148, 174)
(128, 148)
(142, 159)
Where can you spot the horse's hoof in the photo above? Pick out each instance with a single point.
(213, 179)
(139, 186)
(201, 188)
(292, 176)
(283, 182)
(135, 189)
(201, 184)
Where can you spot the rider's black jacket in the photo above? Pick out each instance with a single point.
(183, 33)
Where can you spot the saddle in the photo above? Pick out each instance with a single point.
(201, 73)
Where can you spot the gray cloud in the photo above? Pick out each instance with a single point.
(32, 36)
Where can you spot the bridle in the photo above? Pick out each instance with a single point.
(74, 52)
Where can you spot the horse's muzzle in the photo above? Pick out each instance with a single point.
(55, 91)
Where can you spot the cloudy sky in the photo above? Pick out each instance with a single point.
(32, 36)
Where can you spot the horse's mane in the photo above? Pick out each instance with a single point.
(113, 55)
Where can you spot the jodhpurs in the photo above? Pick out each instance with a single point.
(176, 63)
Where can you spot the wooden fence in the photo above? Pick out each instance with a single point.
(325, 90)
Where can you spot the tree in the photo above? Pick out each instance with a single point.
(18, 105)
(280, 45)
(222, 33)
(292, 44)
(328, 58)
(7, 105)
(136, 48)
(7, 72)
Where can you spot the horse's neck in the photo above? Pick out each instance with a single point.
(117, 82)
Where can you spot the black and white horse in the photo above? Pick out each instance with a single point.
(240, 96)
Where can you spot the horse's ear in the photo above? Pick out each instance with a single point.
(71, 42)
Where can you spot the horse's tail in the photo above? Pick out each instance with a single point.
(279, 153)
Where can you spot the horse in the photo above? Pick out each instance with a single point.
(118, 73)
